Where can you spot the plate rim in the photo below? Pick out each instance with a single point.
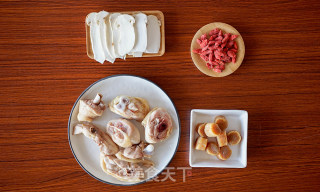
(69, 122)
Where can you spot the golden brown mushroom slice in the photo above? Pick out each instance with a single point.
(212, 148)
(212, 130)
(224, 153)
(222, 122)
(91, 108)
(200, 129)
(234, 137)
(120, 169)
(222, 139)
(201, 143)
(105, 143)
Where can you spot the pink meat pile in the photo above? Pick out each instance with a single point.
(218, 49)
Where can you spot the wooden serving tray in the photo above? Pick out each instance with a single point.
(158, 14)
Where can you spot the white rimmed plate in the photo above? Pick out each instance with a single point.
(86, 151)
(237, 120)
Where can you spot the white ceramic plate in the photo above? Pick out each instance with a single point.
(237, 120)
(86, 150)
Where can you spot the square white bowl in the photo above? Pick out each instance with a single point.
(237, 120)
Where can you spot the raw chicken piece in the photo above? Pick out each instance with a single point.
(138, 151)
(130, 107)
(121, 170)
(123, 132)
(158, 125)
(91, 108)
(106, 145)
(137, 154)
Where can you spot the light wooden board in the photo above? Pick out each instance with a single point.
(229, 67)
(158, 14)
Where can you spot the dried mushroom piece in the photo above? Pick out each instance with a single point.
(212, 148)
(200, 129)
(222, 139)
(201, 143)
(212, 130)
(222, 122)
(234, 137)
(224, 153)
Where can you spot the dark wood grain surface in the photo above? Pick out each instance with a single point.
(44, 68)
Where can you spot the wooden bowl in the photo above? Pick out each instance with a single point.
(229, 67)
(158, 14)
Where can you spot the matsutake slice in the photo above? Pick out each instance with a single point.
(153, 36)
(97, 49)
(124, 24)
(140, 28)
(115, 34)
(103, 21)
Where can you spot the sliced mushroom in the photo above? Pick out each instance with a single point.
(103, 21)
(124, 23)
(153, 35)
(90, 108)
(140, 28)
(97, 48)
(115, 34)
(105, 143)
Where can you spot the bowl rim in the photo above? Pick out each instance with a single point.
(212, 72)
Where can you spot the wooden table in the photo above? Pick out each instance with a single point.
(44, 68)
